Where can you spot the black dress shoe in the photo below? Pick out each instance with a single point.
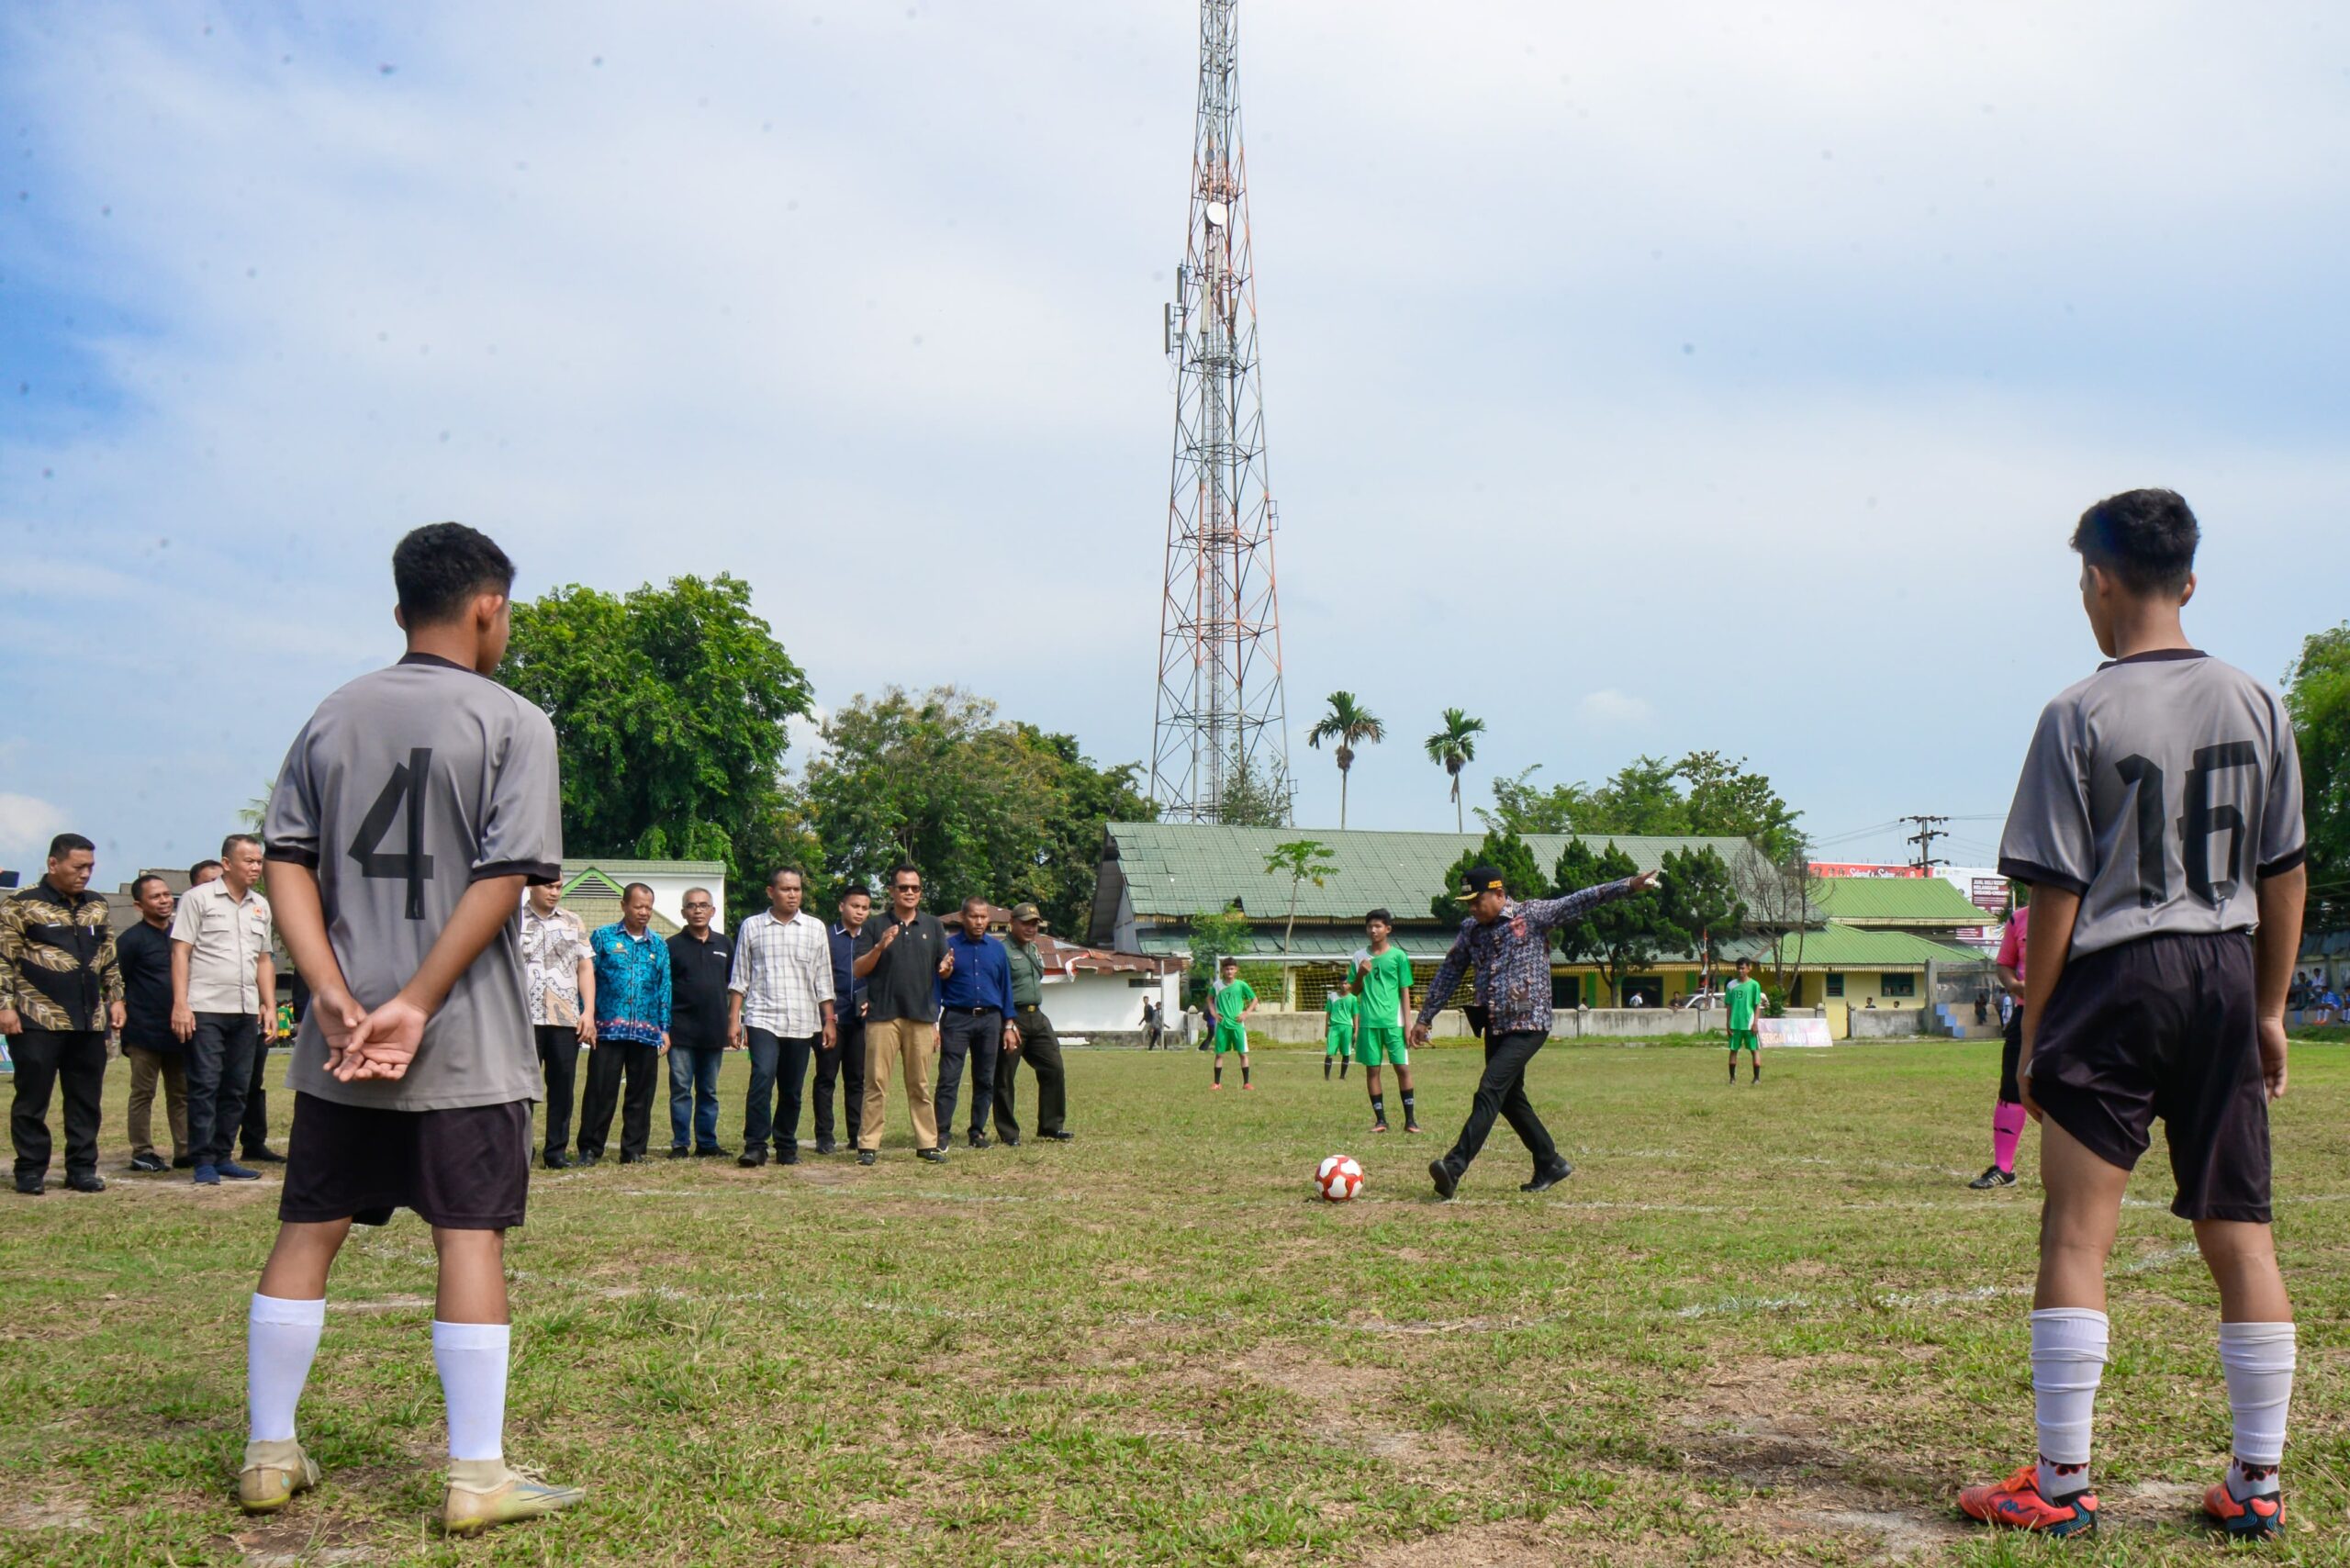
(264, 1156)
(183, 1162)
(1010, 1140)
(582, 1162)
(713, 1152)
(1447, 1183)
(676, 1151)
(1060, 1137)
(557, 1161)
(31, 1186)
(826, 1146)
(867, 1157)
(788, 1156)
(631, 1158)
(753, 1157)
(86, 1182)
(148, 1164)
(935, 1156)
(978, 1140)
(1549, 1179)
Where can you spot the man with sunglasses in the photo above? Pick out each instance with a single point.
(901, 956)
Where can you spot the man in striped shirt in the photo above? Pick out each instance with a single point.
(781, 1009)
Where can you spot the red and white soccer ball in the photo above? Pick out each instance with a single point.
(1338, 1178)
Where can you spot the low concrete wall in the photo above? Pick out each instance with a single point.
(1885, 1023)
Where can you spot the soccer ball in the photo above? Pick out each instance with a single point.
(1338, 1178)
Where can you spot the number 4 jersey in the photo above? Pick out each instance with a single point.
(2159, 789)
(406, 788)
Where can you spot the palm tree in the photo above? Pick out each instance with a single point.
(1350, 724)
(1455, 746)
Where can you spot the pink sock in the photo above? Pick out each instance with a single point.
(2007, 1131)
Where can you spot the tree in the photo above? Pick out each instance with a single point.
(1350, 724)
(1506, 853)
(1621, 935)
(669, 706)
(1520, 807)
(1213, 937)
(2316, 695)
(1727, 801)
(1256, 794)
(1782, 900)
(1086, 798)
(1306, 860)
(1699, 904)
(1452, 748)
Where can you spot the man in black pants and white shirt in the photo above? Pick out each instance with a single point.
(560, 977)
(224, 983)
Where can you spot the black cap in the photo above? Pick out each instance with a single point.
(1481, 879)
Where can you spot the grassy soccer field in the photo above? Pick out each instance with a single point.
(1758, 1324)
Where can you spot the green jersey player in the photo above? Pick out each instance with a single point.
(1744, 998)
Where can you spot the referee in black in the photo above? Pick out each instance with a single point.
(1038, 1044)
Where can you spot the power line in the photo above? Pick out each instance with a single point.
(1928, 830)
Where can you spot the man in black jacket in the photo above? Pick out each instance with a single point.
(154, 1053)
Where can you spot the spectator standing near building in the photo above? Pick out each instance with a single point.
(1037, 1045)
(974, 1021)
(1151, 1027)
(700, 961)
(902, 957)
(782, 1012)
(631, 1028)
(844, 1058)
(559, 976)
(224, 983)
(61, 990)
(153, 1052)
(1510, 945)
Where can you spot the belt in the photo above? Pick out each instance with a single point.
(974, 1012)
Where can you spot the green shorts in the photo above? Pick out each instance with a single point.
(1231, 1038)
(1382, 1043)
(1340, 1042)
(1746, 1040)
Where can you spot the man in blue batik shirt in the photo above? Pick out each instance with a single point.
(631, 1028)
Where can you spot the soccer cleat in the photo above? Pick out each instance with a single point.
(2016, 1504)
(2256, 1519)
(1216, 1086)
(485, 1492)
(1993, 1177)
(273, 1472)
(1413, 1127)
(1246, 1084)
(1378, 1127)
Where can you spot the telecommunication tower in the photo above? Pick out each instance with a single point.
(1220, 707)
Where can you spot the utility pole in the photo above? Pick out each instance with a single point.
(1928, 830)
(1220, 708)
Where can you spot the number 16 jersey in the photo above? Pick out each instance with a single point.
(407, 787)
(2160, 789)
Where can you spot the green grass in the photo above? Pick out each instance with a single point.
(1758, 1324)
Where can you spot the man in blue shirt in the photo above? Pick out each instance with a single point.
(632, 1029)
(846, 1061)
(976, 997)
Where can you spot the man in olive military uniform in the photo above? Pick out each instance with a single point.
(1035, 1041)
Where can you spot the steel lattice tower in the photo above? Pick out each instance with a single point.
(1220, 702)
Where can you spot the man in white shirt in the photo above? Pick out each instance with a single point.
(223, 984)
(780, 1009)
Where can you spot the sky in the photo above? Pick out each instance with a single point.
(1641, 379)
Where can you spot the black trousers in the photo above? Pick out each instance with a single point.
(779, 1068)
(220, 1074)
(559, 1060)
(46, 1058)
(606, 1063)
(253, 1135)
(1041, 1049)
(1501, 1093)
(846, 1064)
(975, 1036)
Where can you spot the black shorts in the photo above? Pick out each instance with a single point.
(467, 1169)
(2010, 1054)
(2164, 1027)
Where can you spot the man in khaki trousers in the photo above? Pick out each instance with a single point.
(900, 958)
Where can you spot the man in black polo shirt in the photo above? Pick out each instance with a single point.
(148, 1044)
(700, 961)
(902, 957)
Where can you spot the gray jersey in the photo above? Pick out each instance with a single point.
(2160, 789)
(406, 787)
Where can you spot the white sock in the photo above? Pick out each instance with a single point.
(472, 1359)
(2258, 1359)
(281, 1337)
(2067, 1360)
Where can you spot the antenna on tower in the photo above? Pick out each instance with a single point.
(1220, 709)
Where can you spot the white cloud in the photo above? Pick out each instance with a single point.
(1614, 710)
(27, 824)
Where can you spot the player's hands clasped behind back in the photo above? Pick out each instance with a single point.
(361, 1043)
